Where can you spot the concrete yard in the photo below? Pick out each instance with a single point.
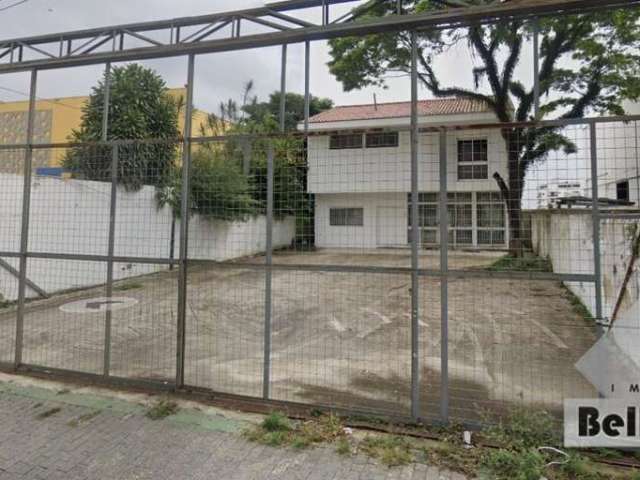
(338, 339)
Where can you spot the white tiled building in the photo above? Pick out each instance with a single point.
(619, 159)
(550, 194)
(360, 172)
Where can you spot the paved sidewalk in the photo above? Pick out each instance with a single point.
(49, 434)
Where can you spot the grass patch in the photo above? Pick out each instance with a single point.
(87, 417)
(128, 286)
(277, 430)
(392, 451)
(514, 465)
(48, 413)
(452, 456)
(162, 408)
(525, 428)
(576, 304)
(526, 263)
(276, 422)
(343, 446)
(517, 457)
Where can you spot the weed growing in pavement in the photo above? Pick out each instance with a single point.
(76, 422)
(162, 408)
(343, 446)
(276, 429)
(576, 304)
(524, 428)
(127, 286)
(48, 413)
(390, 450)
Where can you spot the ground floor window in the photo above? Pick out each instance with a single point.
(622, 191)
(491, 218)
(474, 218)
(346, 217)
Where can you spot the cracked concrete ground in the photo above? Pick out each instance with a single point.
(340, 339)
(56, 432)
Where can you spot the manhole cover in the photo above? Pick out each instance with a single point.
(99, 304)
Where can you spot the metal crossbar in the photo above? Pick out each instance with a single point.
(172, 46)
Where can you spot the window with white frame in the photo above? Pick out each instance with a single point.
(345, 141)
(491, 218)
(346, 217)
(473, 159)
(460, 213)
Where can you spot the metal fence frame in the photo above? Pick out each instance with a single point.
(305, 34)
(443, 273)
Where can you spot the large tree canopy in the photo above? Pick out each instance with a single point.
(139, 108)
(588, 63)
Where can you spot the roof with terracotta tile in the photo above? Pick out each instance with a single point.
(441, 106)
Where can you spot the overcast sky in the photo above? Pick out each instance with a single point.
(218, 76)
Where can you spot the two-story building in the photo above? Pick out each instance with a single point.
(359, 160)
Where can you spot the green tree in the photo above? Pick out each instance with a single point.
(589, 63)
(219, 189)
(268, 113)
(139, 108)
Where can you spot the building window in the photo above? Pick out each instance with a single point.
(460, 218)
(473, 160)
(346, 217)
(345, 141)
(491, 218)
(622, 191)
(382, 139)
(460, 211)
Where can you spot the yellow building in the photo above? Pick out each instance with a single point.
(55, 119)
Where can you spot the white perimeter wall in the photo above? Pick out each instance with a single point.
(72, 217)
(566, 237)
(389, 169)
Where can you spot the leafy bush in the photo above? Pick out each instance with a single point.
(511, 465)
(526, 428)
(162, 408)
(219, 189)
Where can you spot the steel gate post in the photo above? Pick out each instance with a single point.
(444, 281)
(184, 227)
(112, 237)
(307, 85)
(26, 206)
(106, 363)
(266, 380)
(595, 220)
(106, 100)
(283, 89)
(415, 236)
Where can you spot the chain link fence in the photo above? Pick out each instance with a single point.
(318, 269)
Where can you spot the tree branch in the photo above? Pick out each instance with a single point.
(431, 82)
(500, 101)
